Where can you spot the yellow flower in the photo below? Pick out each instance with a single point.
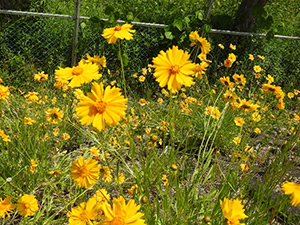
(261, 57)
(105, 173)
(233, 211)
(81, 74)
(41, 77)
(239, 79)
(160, 100)
(84, 213)
(33, 164)
(132, 190)
(201, 42)
(61, 84)
(233, 47)
(227, 63)
(65, 136)
(291, 95)
(6, 206)
(213, 111)
(256, 117)
(257, 69)
(226, 81)
(239, 121)
(231, 57)
(144, 71)
(221, 46)
(54, 115)
(122, 213)
(199, 69)
(143, 102)
(244, 167)
(4, 93)
(293, 189)
(173, 68)
(55, 173)
(257, 130)
(118, 32)
(99, 106)
(247, 106)
(27, 205)
(94, 151)
(142, 78)
(100, 62)
(120, 179)
(31, 97)
(101, 196)
(28, 121)
(237, 140)
(85, 174)
(251, 57)
(165, 180)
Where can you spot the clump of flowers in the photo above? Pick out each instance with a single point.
(40, 76)
(213, 112)
(4, 93)
(81, 74)
(199, 41)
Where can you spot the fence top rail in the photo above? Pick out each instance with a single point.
(155, 25)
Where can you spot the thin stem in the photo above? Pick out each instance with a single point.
(122, 66)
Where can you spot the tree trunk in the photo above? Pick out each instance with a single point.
(244, 19)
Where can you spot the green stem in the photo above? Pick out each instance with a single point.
(122, 66)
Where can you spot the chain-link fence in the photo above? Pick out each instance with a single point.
(43, 43)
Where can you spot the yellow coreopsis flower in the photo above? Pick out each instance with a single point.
(292, 189)
(28, 121)
(213, 111)
(233, 47)
(122, 213)
(221, 46)
(100, 107)
(231, 57)
(257, 69)
(251, 57)
(233, 211)
(85, 174)
(105, 173)
(54, 115)
(100, 62)
(40, 76)
(33, 164)
(118, 32)
(4, 93)
(27, 205)
(84, 213)
(173, 68)
(101, 196)
(239, 121)
(236, 140)
(4, 137)
(239, 79)
(83, 73)
(201, 42)
(6, 207)
(55, 173)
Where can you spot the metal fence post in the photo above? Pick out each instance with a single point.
(75, 40)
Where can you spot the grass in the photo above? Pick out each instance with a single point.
(182, 159)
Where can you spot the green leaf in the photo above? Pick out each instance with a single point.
(206, 28)
(83, 25)
(187, 21)
(200, 14)
(178, 23)
(125, 59)
(129, 16)
(109, 9)
(169, 35)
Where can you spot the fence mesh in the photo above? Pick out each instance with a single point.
(46, 43)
